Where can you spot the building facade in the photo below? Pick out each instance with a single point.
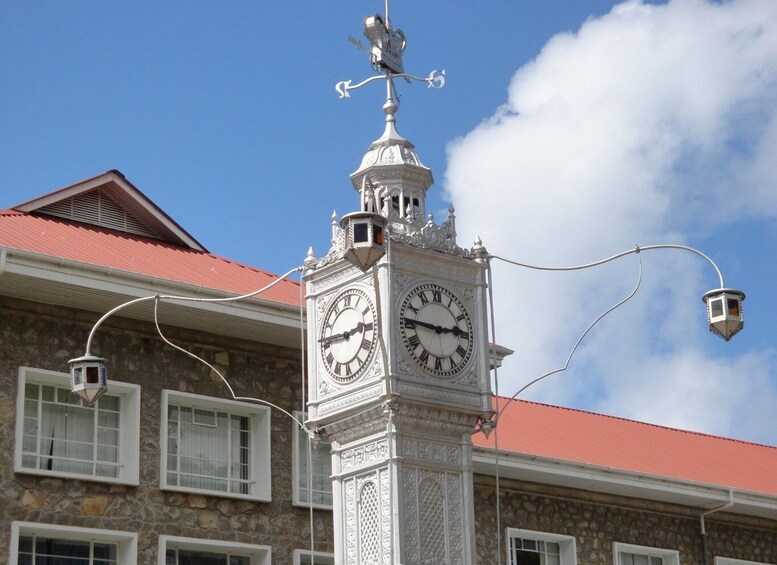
(168, 468)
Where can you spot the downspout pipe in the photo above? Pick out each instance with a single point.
(729, 504)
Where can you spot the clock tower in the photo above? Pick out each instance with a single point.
(398, 357)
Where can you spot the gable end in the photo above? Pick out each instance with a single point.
(97, 208)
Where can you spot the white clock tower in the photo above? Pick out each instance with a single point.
(398, 355)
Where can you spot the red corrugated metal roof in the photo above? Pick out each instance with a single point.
(604, 441)
(526, 427)
(84, 243)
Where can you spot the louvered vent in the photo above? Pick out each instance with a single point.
(97, 208)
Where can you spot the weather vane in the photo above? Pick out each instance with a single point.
(386, 48)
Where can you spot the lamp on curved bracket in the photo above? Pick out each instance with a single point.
(724, 311)
(89, 377)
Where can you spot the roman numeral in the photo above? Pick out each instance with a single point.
(414, 341)
(422, 296)
(436, 296)
(437, 364)
(424, 357)
(337, 368)
(413, 308)
(464, 335)
(330, 358)
(347, 300)
(461, 351)
(460, 317)
(366, 344)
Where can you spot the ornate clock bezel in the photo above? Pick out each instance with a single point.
(327, 343)
(452, 351)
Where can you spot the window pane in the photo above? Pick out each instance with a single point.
(321, 471)
(523, 557)
(194, 557)
(31, 391)
(61, 433)
(209, 450)
(109, 403)
(528, 551)
(53, 551)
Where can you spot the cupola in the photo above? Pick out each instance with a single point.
(392, 165)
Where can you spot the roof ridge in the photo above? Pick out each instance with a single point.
(631, 420)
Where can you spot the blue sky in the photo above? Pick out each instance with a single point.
(567, 131)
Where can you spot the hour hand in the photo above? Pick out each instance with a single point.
(336, 337)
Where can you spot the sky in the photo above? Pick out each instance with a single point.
(567, 131)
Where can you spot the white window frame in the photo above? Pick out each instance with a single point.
(300, 553)
(129, 426)
(259, 416)
(297, 436)
(670, 556)
(731, 561)
(259, 554)
(127, 542)
(567, 545)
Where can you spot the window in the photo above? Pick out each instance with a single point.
(57, 433)
(215, 446)
(37, 544)
(313, 558)
(627, 554)
(527, 547)
(187, 551)
(322, 469)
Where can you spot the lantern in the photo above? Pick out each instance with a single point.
(724, 311)
(365, 238)
(487, 424)
(88, 377)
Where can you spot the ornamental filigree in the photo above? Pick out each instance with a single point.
(409, 230)
(427, 235)
(364, 455)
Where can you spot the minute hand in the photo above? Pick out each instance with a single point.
(455, 330)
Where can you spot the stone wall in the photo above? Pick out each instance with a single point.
(46, 337)
(597, 520)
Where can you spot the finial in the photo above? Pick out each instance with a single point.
(479, 252)
(336, 231)
(310, 259)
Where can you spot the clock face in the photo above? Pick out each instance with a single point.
(347, 337)
(436, 330)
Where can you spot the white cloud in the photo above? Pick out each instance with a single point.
(651, 124)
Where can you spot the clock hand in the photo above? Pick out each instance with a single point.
(336, 337)
(346, 335)
(438, 329)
